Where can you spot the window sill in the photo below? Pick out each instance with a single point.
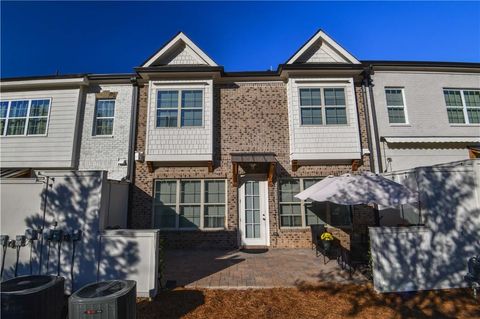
(465, 125)
(204, 230)
(24, 136)
(179, 128)
(103, 136)
(401, 125)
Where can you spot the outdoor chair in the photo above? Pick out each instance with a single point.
(317, 230)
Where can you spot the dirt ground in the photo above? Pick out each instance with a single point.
(328, 301)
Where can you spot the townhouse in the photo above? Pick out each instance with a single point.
(74, 122)
(214, 158)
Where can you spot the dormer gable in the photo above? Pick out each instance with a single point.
(179, 51)
(320, 48)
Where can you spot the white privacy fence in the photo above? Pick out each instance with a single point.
(84, 201)
(432, 256)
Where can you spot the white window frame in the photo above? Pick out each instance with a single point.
(404, 106)
(27, 118)
(302, 204)
(464, 106)
(323, 107)
(202, 204)
(179, 106)
(95, 118)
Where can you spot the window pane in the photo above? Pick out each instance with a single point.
(167, 118)
(192, 117)
(18, 109)
(164, 217)
(472, 98)
(310, 97)
(334, 96)
(3, 108)
(215, 191)
(336, 115)
(37, 126)
(452, 98)
(214, 216)
(474, 115)
(192, 99)
(2, 126)
(16, 127)
(396, 115)
(339, 215)
(39, 108)
(394, 97)
(316, 213)
(190, 191)
(167, 99)
(290, 215)
(289, 188)
(455, 116)
(105, 108)
(104, 127)
(165, 192)
(189, 216)
(311, 116)
(310, 182)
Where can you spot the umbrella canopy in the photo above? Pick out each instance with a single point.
(366, 188)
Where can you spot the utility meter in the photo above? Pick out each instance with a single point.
(4, 240)
(20, 240)
(57, 235)
(31, 234)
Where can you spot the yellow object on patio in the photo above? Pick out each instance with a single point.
(326, 236)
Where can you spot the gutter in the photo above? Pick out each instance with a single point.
(365, 82)
(369, 82)
(133, 131)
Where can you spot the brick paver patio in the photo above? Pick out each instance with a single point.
(240, 270)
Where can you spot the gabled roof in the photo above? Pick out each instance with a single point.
(320, 48)
(180, 50)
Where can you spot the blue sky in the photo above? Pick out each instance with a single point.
(104, 37)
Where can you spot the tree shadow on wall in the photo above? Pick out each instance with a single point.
(74, 201)
(433, 256)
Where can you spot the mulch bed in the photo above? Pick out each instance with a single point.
(322, 301)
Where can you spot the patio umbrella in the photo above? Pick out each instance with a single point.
(366, 188)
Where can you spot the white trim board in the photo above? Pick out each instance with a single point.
(331, 44)
(191, 47)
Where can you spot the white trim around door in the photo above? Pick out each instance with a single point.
(253, 213)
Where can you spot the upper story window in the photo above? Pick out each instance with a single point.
(24, 117)
(463, 106)
(298, 213)
(190, 204)
(395, 106)
(104, 116)
(320, 106)
(179, 108)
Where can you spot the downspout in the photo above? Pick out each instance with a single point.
(367, 121)
(368, 73)
(369, 82)
(133, 131)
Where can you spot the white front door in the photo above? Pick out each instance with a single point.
(253, 213)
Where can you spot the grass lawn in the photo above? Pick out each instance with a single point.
(327, 301)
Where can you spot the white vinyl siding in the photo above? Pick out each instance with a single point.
(54, 149)
(463, 106)
(179, 108)
(190, 204)
(395, 105)
(298, 213)
(24, 117)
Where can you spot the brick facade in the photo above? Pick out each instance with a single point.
(249, 117)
